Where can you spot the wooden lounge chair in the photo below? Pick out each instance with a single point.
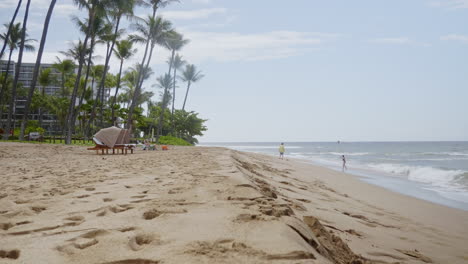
(120, 144)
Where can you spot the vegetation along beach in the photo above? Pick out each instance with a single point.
(218, 131)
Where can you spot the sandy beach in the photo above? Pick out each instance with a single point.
(64, 204)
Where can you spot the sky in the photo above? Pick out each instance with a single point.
(307, 70)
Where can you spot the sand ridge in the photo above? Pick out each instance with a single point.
(63, 204)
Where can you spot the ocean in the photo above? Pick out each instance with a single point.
(433, 171)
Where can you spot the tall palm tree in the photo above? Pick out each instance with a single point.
(177, 64)
(164, 82)
(124, 50)
(45, 79)
(116, 10)
(190, 75)
(130, 80)
(95, 8)
(11, 109)
(66, 68)
(75, 51)
(10, 26)
(147, 38)
(98, 28)
(36, 69)
(13, 41)
(155, 31)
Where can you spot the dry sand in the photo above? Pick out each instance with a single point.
(64, 204)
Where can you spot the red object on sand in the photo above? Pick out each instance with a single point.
(164, 148)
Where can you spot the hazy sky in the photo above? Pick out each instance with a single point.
(311, 70)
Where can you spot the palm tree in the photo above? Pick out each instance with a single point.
(148, 31)
(164, 82)
(190, 75)
(10, 26)
(123, 52)
(155, 31)
(116, 9)
(177, 64)
(99, 27)
(13, 41)
(75, 51)
(66, 68)
(36, 69)
(95, 8)
(18, 67)
(45, 79)
(130, 80)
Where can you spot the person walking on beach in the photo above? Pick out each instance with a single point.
(344, 163)
(281, 151)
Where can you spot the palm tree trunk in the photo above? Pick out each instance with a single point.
(40, 108)
(36, 69)
(11, 111)
(63, 84)
(161, 116)
(140, 76)
(80, 103)
(173, 100)
(12, 22)
(186, 94)
(4, 84)
(116, 92)
(137, 91)
(71, 113)
(163, 106)
(103, 79)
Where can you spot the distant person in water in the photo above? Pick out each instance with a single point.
(281, 151)
(344, 162)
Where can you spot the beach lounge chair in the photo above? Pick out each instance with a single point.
(112, 138)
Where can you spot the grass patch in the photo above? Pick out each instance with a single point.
(168, 140)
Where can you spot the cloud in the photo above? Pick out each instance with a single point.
(8, 4)
(202, 1)
(11, 4)
(455, 37)
(396, 41)
(401, 41)
(39, 8)
(450, 4)
(65, 9)
(194, 14)
(225, 47)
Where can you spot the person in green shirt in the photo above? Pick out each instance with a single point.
(281, 151)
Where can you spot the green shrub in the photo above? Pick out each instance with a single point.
(34, 129)
(168, 140)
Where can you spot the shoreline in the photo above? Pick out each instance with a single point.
(64, 204)
(394, 183)
(390, 183)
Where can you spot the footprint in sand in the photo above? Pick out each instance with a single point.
(76, 218)
(138, 196)
(83, 243)
(126, 229)
(11, 254)
(6, 226)
(38, 209)
(151, 214)
(133, 261)
(141, 201)
(139, 241)
(20, 201)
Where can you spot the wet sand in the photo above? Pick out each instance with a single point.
(64, 204)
